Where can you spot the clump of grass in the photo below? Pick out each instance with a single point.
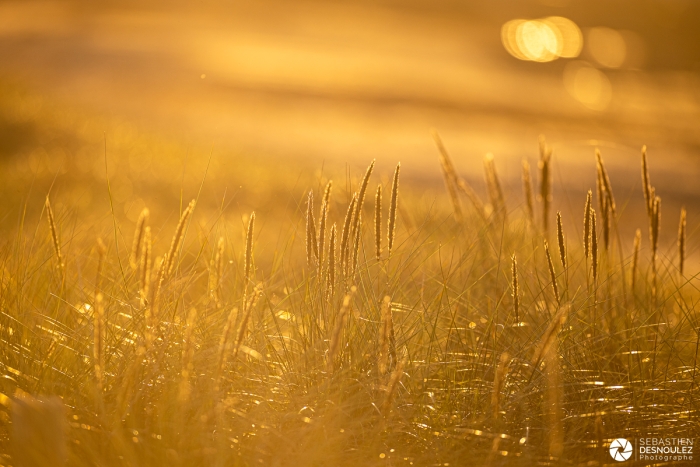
(277, 366)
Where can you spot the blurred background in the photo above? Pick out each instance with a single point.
(313, 83)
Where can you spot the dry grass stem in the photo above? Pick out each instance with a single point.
(99, 331)
(187, 355)
(247, 310)
(322, 221)
(393, 384)
(555, 400)
(54, 237)
(334, 344)
(386, 332)
(594, 247)
(331, 262)
(646, 183)
(552, 273)
(225, 344)
(101, 252)
(499, 379)
(345, 236)
(681, 241)
(605, 215)
(248, 263)
(216, 268)
(654, 231)
(587, 226)
(145, 267)
(515, 289)
(527, 191)
(549, 337)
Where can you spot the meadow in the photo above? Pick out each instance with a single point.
(330, 318)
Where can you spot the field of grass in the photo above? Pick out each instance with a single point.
(425, 327)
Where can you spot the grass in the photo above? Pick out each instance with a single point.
(462, 340)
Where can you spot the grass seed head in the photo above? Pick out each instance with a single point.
(594, 246)
(560, 240)
(494, 187)
(635, 258)
(378, 223)
(449, 175)
(587, 226)
(545, 195)
(646, 183)
(311, 246)
(175, 244)
(393, 207)
(138, 238)
(361, 196)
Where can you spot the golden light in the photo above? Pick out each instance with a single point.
(542, 40)
(587, 85)
(569, 34)
(607, 46)
(537, 41)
